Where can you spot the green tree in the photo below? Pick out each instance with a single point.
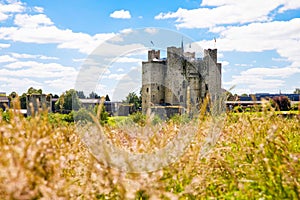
(229, 96)
(84, 115)
(297, 91)
(23, 101)
(134, 99)
(32, 90)
(282, 103)
(68, 101)
(12, 96)
(80, 94)
(107, 98)
(94, 95)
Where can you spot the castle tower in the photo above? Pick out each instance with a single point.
(181, 80)
(153, 80)
(213, 78)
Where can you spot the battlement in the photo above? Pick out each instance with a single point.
(212, 53)
(152, 54)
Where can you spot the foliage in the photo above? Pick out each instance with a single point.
(103, 114)
(281, 103)
(23, 101)
(180, 119)
(133, 98)
(297, 91)
(295, 106)
(61, 119)
(238, 109)
(80, 94)
(138, 118)
(94, 95)
(32, 90)
(12, 97)
(84, 115)
(5, 115)
(67, 102)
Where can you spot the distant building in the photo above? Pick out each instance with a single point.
(35, 102)
(112, 107)
(4, 101)
(180, 80)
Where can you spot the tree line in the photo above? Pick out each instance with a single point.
(69, 99)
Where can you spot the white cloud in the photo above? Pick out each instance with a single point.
(151, 30)
(243, 65)
(271, 72)
(290, 5)
(38, 9)
(60, 84)
(126, 31)
(227, 12)
(261, 79)
(6, 58)
(121, 14)
(18, 85)
(2, 45)
(12, 7)
(35, 69)
(79, 59)
(115, 76)
(224, 63)
(280, 59)
(282, 36)
(115, 50)
(31, 56)
(47, 57)
(32, 21)
(23, 55)
(40, 29)
(127, 60)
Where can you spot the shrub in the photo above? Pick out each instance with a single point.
(60, 119)
(238, 109)
(180, 119)
(281, 103)
(139, 118)
(295, 106)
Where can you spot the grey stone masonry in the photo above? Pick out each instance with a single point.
(180, 80)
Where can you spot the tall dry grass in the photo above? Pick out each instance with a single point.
(255, 157)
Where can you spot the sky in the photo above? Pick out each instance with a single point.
(52, 45)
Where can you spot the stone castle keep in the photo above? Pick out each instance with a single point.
(180, 80)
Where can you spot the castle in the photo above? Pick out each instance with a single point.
(180, 80)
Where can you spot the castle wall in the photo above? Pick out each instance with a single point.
(174, 79)
(182, 80)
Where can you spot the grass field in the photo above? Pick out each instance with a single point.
(256, 156)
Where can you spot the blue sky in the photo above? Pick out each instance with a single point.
(46, 44)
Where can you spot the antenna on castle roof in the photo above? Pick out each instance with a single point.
(215, 42)
(182, 45)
